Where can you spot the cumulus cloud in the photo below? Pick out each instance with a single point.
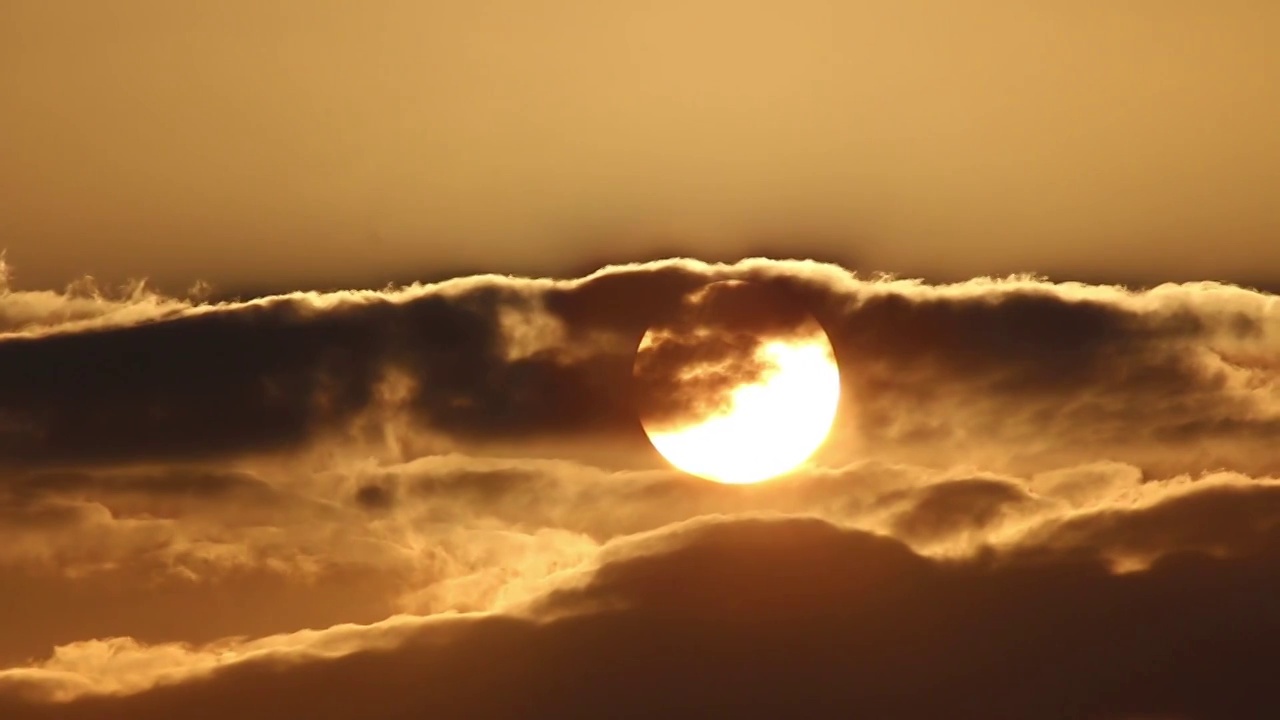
(1039, 500)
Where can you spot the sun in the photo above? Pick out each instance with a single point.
(767, 427)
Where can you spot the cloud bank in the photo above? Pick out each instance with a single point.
(1039, 500)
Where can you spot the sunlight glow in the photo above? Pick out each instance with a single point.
(771, 426)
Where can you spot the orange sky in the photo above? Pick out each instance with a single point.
(321, 142)
(450, 499)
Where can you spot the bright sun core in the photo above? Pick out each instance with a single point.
(770, 427)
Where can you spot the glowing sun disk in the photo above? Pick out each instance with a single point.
(770, 427)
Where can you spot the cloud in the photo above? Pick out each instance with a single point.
(1014, 373)
(951, 508)
(127, 554)
(758, 617)
(1039, 500)
(688, 364)
(84, 305)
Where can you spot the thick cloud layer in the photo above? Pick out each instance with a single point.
(1018, 372)
(763, 618)
(1039, 501)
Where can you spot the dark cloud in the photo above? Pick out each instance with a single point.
(1038, 372)
(1176, 378)
(1222, 519)
(688, 364)
(375, 497)
(272, 375)
(796, 618)
(947, 508)
(195, 386)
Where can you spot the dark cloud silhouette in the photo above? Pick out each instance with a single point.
(1224, 519)
(688, 364)
(375, 497)
(1177, 378)
(957, 506)
(786, 618)
(270, 375)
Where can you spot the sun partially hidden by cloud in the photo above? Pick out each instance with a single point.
(757, 405)
(443, 500)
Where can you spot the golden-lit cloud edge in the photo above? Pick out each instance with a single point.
(84, 305)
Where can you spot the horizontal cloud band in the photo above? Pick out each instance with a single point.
(1040, 500)
(1016, 371)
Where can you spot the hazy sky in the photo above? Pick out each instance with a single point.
(314, 142)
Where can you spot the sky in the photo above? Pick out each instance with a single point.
(265, 146)
(372, 440)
